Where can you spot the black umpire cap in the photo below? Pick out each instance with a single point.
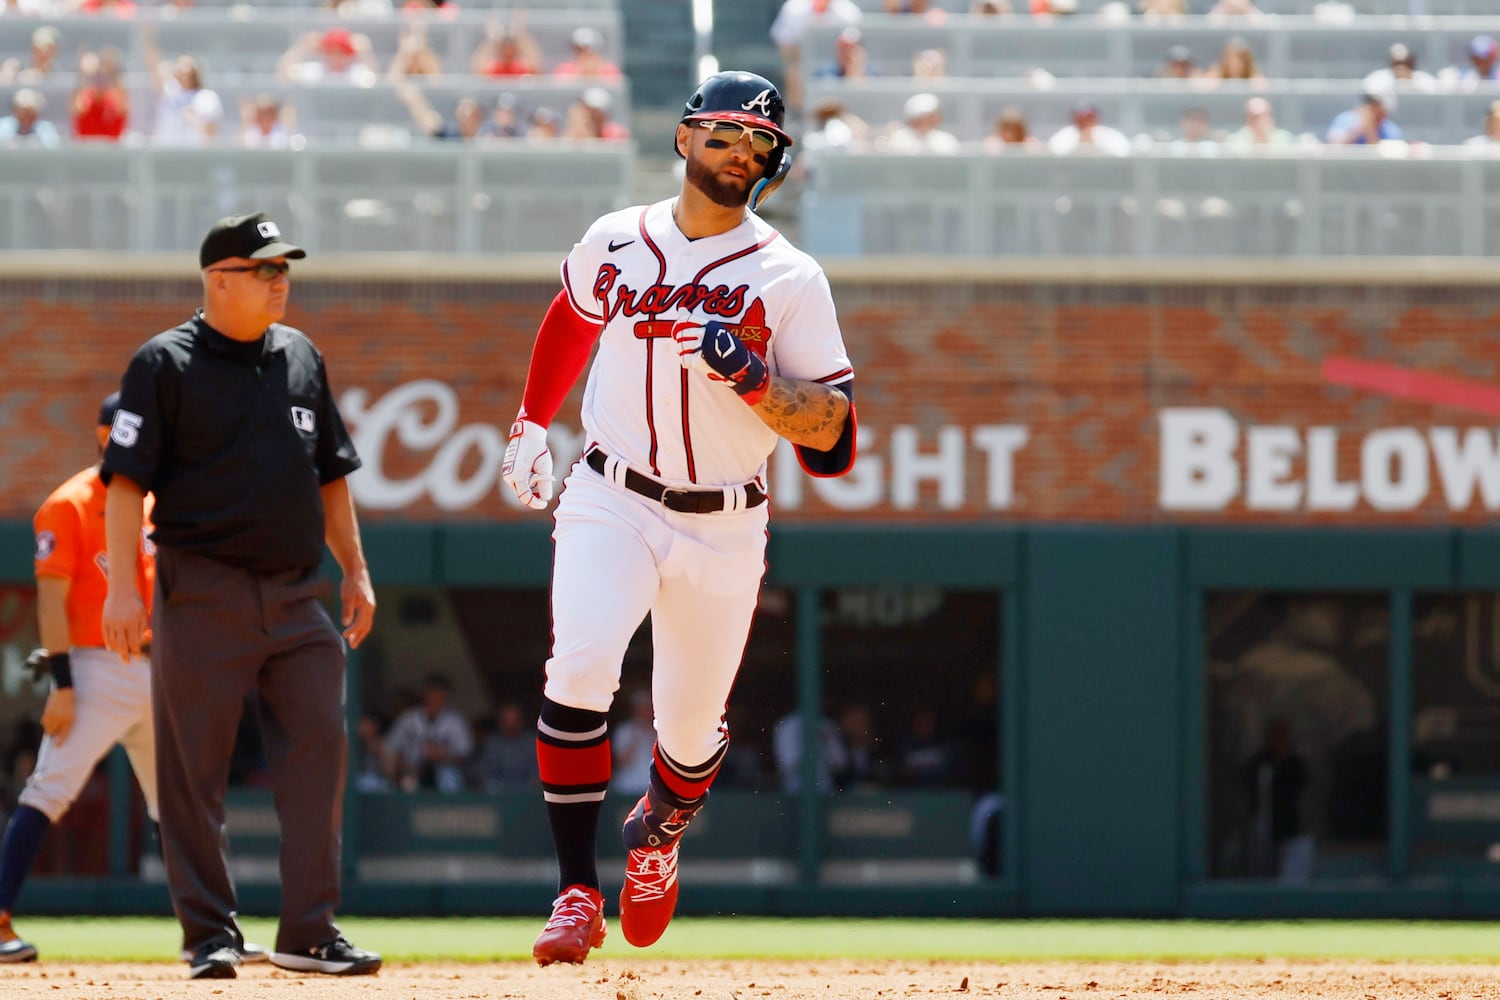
(252, 236)
(107, 409)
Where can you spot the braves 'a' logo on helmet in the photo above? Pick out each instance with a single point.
(760, 102)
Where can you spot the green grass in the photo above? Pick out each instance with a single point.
(498, 939)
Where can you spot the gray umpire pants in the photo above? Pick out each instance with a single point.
(217, 633)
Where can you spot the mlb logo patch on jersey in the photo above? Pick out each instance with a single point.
(46, 544)
(303, 419)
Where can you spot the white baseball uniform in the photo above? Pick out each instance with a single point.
(620, 555)
(113, 697)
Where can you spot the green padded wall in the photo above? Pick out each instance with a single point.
(1101, 753)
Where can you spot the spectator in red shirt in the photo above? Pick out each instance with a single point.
(101, 107)
(507, 52)
(588, 60)
(119, 8)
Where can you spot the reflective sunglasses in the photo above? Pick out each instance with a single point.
(730, 132)
(268, 271)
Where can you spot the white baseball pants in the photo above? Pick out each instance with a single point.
(114, 706)
(620, 556)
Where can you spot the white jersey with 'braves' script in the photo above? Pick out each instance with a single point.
(637, 274)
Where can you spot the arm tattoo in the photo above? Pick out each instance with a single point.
(807, 413)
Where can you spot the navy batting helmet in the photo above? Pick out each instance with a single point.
(750, 99)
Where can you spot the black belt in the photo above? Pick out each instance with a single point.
(670, 497)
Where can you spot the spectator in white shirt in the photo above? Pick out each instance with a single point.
(430, 742)
(337, 55)
(187, 113)
(28, 8)
(264, 123)
(24, 125)
(1401, 72)
(1086, 135)
(1260, 128)
(44, 45)
(920, 131)
(832, 753)
(1490, 137)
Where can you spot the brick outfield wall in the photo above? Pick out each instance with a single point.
(1064, 385)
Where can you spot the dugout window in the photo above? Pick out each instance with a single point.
(911, 683)
(1297, 730)
(1455, 733)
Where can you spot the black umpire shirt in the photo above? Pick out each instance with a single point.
(234, 439)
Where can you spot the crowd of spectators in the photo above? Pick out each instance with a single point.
(429, 744)
(1371, 117)
(853, 754)
(185, 109)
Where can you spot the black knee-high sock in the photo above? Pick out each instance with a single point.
(572, 752)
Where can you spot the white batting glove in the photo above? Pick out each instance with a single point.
(528, 464)
(688, 333)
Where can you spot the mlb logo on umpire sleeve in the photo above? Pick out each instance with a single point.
(303, 420)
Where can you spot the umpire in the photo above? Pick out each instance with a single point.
(229, 420)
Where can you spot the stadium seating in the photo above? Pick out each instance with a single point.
(1146, 107)
(1199, 7)
(501, 6)
(1287, 48)
(247, 41)
(436, 197)
(1309, 200)
(341, 111)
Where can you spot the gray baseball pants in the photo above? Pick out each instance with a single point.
(218, 632)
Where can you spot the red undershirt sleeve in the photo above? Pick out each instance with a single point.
(563, 344)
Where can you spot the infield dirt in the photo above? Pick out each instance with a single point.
(620, 979)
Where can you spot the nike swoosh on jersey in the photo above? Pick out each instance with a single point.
(613, 246)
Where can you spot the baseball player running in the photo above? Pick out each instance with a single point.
(715, 337)
(97, 700)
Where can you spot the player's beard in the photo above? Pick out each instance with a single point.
(719, 192)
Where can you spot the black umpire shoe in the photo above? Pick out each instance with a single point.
(214, 960)
(335, 958)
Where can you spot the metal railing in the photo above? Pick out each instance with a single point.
(1330, 201)
(509, 197)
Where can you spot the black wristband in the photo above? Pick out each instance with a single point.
(61, 667)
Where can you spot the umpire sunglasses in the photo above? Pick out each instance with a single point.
(729, 132)
(267, 271)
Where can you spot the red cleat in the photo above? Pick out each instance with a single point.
(576, 925)
(649, 897)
